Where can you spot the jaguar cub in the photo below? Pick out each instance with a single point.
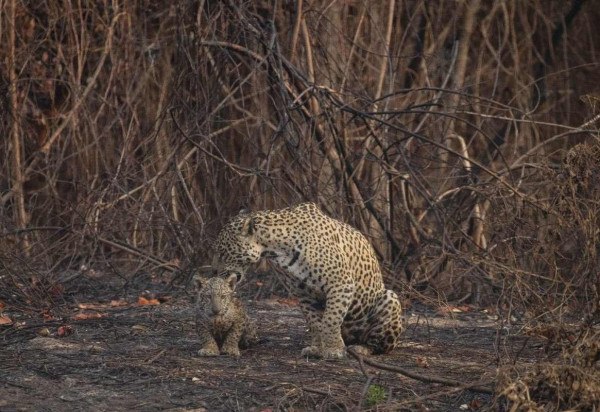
(221, 319)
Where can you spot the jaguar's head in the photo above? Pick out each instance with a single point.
(237, 247)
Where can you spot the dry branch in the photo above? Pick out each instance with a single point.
(21, 216)
(476, 387)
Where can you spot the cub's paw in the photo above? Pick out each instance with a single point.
(208, 352)
(249, 338)
(233, 351)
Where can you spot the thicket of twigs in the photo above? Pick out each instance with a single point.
(461, 136)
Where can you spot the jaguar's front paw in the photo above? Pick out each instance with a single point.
(333, 353)
(327, 353)
(311, 352)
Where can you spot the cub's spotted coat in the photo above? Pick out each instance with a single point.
(221, 320)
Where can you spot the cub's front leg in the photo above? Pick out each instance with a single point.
(232, 339)
(208, 344)
(249, 334)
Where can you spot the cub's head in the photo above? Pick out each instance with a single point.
(215, 295)
(236, 247)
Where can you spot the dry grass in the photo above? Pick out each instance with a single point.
(568, 379)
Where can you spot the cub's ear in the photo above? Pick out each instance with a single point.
(249, 226)
(200, 282)
(232, 280)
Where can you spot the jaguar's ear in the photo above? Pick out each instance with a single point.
(249, 226)
(232, 280)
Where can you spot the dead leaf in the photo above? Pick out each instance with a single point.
(5, 320)
(64, 330)
(446, 310)
(422, 408)
(422, 362)
(47, 315)
(89, 315)
(288, 301)
(143, 301)
(2, 305)
(88, 305)
(475, 404)
(97, 306)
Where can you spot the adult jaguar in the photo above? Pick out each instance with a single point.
(330, 266)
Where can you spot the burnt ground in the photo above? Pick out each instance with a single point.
(143, 358)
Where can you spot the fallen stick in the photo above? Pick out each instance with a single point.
(476, 387)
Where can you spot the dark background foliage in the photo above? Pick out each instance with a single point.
(444, 132)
